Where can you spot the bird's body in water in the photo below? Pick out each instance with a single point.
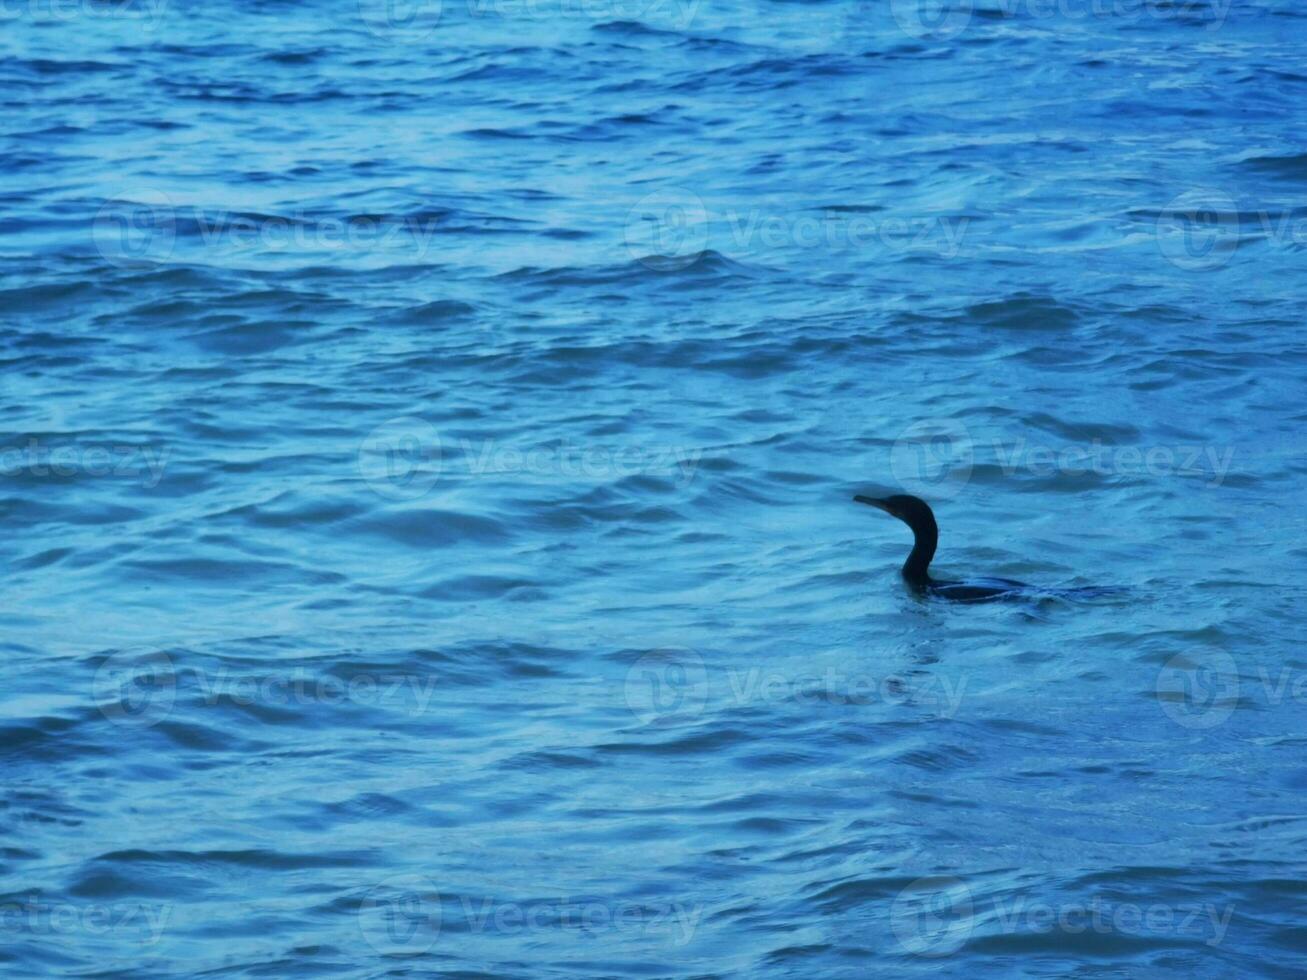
(916, 514)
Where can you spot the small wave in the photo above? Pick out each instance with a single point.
(1292, 166)
(1024, 311)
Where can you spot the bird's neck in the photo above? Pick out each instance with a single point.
(925, 539)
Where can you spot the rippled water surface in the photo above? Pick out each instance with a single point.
(429, 435)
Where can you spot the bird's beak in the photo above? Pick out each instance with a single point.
(874, 502)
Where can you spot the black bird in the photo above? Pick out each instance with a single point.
(916, 514)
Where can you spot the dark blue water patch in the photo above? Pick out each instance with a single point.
(1289, 166)
(435, 312)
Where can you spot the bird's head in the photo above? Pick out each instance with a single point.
(912, 511)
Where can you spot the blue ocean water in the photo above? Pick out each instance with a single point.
(429, 434)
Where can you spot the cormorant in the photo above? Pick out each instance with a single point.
(916, 514)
